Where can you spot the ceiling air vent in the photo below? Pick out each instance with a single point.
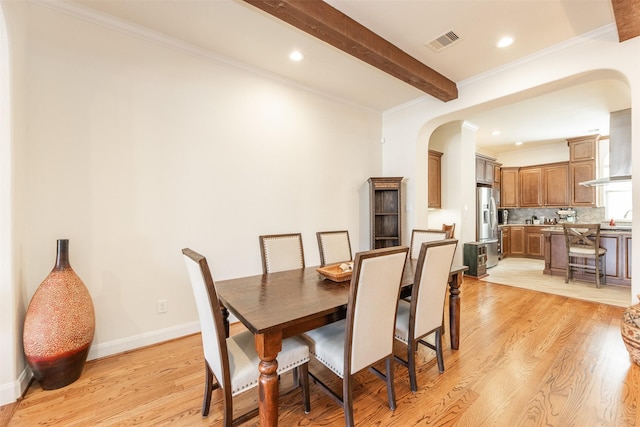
(442, 41)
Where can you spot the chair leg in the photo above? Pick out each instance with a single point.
(347, 401)
(411, 365)
(439, 350)
(208, 388)
(567, 274)
(597, 264)
(303, 376)
(391, 391)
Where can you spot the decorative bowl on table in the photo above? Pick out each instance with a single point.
(337, 272)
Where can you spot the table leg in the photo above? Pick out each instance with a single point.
(455, 281)
(268, 346)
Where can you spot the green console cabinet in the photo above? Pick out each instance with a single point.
(475, 257)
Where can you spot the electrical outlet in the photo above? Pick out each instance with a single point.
(162, 306)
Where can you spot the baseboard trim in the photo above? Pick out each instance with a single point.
(10, 392)
(137, 341)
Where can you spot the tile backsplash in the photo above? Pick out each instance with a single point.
(519, 215)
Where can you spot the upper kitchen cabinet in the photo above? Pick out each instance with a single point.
(555, 180)
(582, 167)
(530, 187)
(485, 169)
(544, 185)
(509, 187)
(434, 180)
(582, 148)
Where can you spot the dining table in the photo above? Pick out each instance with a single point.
(275, 306)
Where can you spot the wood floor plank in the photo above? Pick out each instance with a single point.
(526, 358)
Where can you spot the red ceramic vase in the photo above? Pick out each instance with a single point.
(59, 325)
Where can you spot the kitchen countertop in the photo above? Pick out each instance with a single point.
(556, 227)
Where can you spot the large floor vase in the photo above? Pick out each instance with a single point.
(630, 330)
(59, 325)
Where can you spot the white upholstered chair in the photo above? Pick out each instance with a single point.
(281, 252)
(420, 236)
(365, 336)
(233, 361)
(423, 315)
(334, 246)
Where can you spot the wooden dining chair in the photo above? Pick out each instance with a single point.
(584, 252)
(423, 315)
(365, 336)
(281, 252)
(334, 246)
(233, 362)
(450, 228)
(418, 237)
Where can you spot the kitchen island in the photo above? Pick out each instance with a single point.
(617, 242)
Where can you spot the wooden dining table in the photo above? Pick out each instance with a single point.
(275, 306)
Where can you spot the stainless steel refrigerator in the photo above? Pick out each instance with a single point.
(487, 223)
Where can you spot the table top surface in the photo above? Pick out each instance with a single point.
(273, 301)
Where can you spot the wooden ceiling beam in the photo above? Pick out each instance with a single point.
(627, 14)
(328, 24)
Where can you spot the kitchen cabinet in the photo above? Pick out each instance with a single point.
(506, 241)
(385, 200)
(485, 169)
(555, 184)
(509, 187)
(582, 196)
(530, 187)
(517, 240)
(434, 180)
(582, 148)
(582, 167)
(544, 185)
(534, 245)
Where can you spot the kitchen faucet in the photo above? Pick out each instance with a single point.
(626, 213)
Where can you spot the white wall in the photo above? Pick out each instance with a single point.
(136, 150)
(551, 153)
(412, 125)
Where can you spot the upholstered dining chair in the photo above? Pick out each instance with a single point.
(334, 246)
(424, 314)
(233, 362)
(583, 247)
(451, 228)
(420, 236)
(365, 336)
(281, 252)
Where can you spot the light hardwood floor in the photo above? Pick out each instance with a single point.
(527, 273)
(526, 358)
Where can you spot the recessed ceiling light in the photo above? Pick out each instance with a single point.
(519, 143)
(495, 132)
(296, 56)
(505, 41)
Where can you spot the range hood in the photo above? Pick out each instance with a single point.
(619, 149)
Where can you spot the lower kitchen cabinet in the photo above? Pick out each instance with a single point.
(523, 241)
(534, 242)
(506, 242)
(517, 243)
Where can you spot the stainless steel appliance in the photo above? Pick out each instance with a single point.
(487, 223)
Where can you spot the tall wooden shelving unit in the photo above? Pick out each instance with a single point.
(385, 200)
